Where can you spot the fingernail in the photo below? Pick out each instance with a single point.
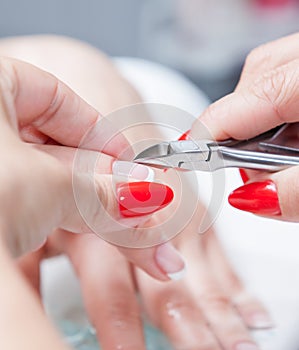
(133, 170)
(185, 136)
(170, 261)
(246, 346)
(142, 198)
(260, 320)
(257, 197)
(244, 175)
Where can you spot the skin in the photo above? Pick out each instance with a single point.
(267, 95)
(210, 291)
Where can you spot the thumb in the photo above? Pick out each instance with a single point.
(276, 197)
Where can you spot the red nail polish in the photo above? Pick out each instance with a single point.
(185, 136)
(142, 198)
(257, 197)
(244, 175)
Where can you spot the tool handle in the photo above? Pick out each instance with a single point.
(255, 160)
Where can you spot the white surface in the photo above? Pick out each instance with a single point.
(264, 252)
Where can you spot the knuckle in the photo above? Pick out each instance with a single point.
(257, 56)
(104, 194)
(122, 314)
(174, 307)
(172, 304)
(268, 86)
(102, 212)
(216, 302)
(94, 200)
(278, 88)
(56, 101)
(176, 304)
(234, 284)
(242, 298)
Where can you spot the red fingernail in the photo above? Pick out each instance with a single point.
(244, 175)
(185, 136)
(257, 197)
(142, 198)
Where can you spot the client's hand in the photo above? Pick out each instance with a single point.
(208, 309)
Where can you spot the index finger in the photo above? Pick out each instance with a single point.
(271, 100)
(108, 290)
(46, 106)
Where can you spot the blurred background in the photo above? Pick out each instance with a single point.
(205, 39)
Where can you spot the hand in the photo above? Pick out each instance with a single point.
(208, 277)
(37, 193)
(209, 293)
(266, 96)
(209, 308)
(190, 311)
(101, 84)
(48, 112)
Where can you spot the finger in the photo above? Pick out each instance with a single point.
(46, 108)
(93, 161)
(156, 261)
(108, 220)
(120, 201)
(269, 56)
(111, 208)
(275, 196)
(102, 204)
(97, 162)
(100, 163)
(163, 262)
(108, 291)
(80, 203)
(172, 309)
(215, 304)
(269, 101)
(29, 265)
(107, 164)
(250, 309)
(24, 325)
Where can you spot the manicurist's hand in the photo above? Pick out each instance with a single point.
(266, 96)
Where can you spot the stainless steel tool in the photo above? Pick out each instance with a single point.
(272, 151)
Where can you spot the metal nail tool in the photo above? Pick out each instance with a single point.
(274, 150)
